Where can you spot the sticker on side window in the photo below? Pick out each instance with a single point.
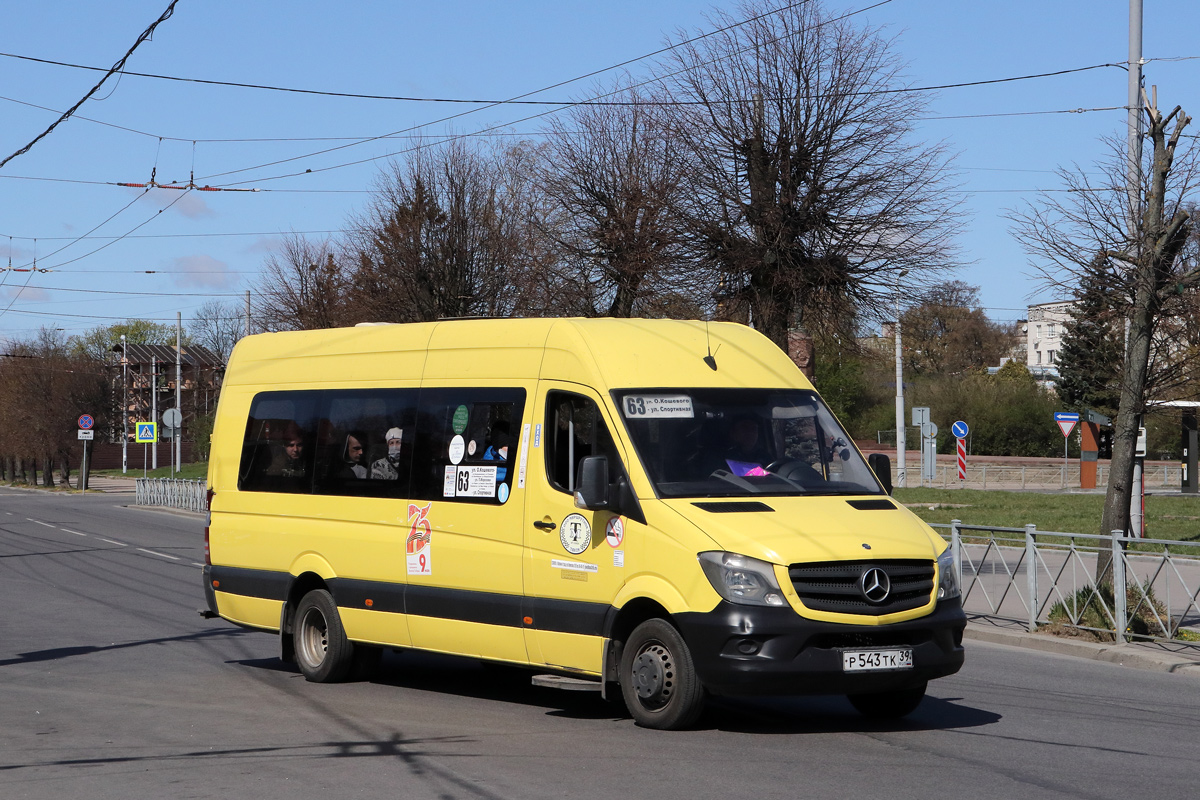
(657, 406)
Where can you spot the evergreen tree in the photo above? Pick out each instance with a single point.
(1090, 359)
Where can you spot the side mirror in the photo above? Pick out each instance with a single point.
(882, 466)
(591, 485)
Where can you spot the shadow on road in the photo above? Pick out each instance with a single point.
(498, 683)
(59, 653)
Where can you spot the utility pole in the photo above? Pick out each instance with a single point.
(154, 407)
(124, 408)
(1134, 189)
(178, 459)
(901, 469)
(1133, 172)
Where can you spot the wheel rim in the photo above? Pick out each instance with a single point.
(314, 638)
(654, 676)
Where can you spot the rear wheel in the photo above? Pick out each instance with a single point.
(323, 652)
(658, 679)
(888, 705)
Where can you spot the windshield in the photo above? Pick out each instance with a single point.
(740, 442)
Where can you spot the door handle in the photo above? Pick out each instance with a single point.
(544, 526)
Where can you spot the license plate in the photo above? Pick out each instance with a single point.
(866, 660)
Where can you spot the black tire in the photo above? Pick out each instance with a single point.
(888, 705)
(323, 652)
(658, 679)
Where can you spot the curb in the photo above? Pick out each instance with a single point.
(1126, 655)
(179, 512)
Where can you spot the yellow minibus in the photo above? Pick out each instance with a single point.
(666, 509)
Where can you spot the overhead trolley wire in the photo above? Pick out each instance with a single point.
(146, 34)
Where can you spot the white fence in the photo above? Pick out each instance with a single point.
(1023, 574)
(185, 495)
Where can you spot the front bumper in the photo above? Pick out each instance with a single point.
(757, 650)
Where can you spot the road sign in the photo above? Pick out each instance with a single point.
(86, 435)
(1066, 421)
(172, 418)
(960, 430)
(86, 422)
(146, 432)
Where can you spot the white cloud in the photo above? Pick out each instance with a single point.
(264, 245)
(27, 295)
(202, 270)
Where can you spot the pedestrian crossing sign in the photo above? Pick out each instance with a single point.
(146, 433)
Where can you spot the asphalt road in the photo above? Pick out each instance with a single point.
(112, 686)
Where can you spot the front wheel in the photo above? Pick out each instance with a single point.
(323, 652)
(658, 679)
(888, 705)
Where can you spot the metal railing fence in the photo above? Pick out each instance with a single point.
(1049, 577)
(1063, 476)
(185, 495)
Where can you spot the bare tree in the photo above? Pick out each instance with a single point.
(217, 326)
(806, 188)
(1147, 249)
(613, 178)
(303, 287)
(440, 239)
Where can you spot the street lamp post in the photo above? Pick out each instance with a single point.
(901, 470)
(124, 409)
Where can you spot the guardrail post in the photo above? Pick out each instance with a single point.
(1031, 574)
(1118, 573)
(985, 476)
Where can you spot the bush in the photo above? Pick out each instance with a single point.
(1089, 606)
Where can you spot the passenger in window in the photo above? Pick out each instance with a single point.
(290, 462)
(388, 467)
(499, 441)
(354, 456)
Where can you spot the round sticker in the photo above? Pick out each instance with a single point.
(575, 533)
(471, 447)
(502, 493)
(614, 532)
(457, 448)
(459, 421)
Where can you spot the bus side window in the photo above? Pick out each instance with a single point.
(465, 448)
(575, 430)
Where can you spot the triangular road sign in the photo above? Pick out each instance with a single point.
(1066, 426)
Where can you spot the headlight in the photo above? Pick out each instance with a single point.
(743, 580)
(948, 587)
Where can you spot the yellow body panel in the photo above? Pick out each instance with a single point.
(496, 549)
(255, 612)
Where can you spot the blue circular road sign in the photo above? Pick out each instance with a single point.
(960, 430)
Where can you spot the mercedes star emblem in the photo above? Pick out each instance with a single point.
(875, 585)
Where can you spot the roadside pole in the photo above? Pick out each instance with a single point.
(86, 423)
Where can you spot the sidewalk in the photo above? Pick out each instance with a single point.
(1178, 659)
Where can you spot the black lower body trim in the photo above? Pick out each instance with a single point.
(487, 608)
(741, 650)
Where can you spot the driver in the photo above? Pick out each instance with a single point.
(743, 455)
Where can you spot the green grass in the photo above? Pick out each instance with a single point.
(188, 472)
(1167, 517)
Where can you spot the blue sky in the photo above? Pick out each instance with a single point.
(459, 50)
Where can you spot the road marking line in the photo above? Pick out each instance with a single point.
(197, 564)
(110, 541)
(68, 530)
(164, 555)
(47, 524)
